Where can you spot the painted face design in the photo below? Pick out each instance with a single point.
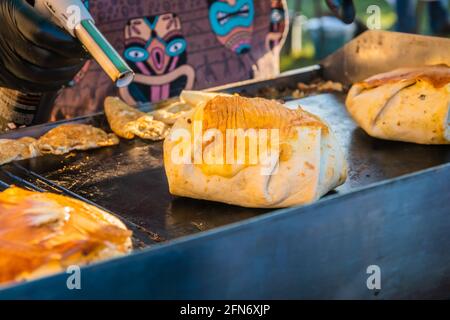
(156, 50)
(277, 24)
(232, 22)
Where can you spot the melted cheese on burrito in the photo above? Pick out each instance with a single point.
(236, 112)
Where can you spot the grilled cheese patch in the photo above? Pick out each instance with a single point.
(42, 233)
(128, 122)
(69, 137)
(171, 113)
(146, 128)
(237, 112)
(246, 116)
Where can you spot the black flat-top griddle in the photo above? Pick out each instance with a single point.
(129, 181)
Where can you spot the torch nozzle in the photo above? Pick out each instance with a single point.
(105, 55)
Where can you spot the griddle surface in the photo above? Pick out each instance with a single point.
(370, 160)
(129, 179)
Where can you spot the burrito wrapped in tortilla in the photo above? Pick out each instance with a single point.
(410, 104)
(251, 152)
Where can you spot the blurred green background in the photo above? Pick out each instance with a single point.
(292, 58)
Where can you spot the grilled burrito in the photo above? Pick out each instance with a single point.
(43, 233)
(410, 104)
(251, 152)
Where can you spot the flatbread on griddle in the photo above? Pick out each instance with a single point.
(23, 148)
(69, 137)
(128, 122)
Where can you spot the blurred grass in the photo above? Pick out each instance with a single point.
(311, 8)
(307, 8)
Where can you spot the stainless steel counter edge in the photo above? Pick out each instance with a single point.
(320, 250)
